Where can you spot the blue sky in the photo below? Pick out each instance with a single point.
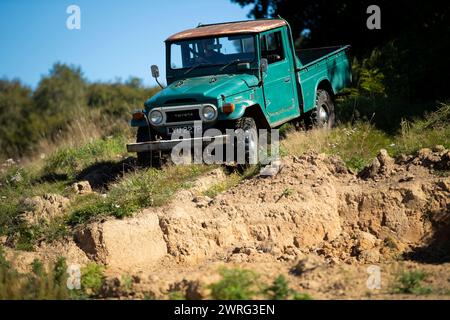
(118, 38)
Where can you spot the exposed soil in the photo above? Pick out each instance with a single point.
(316, 222)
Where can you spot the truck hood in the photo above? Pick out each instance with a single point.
(205, 88)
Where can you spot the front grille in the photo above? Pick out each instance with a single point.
(182, 116)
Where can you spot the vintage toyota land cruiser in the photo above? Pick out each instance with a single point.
(242, 75)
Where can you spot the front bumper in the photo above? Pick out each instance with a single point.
(165, 145)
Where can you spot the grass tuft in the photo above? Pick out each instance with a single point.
(411, 282)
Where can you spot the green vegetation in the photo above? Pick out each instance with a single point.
(47, 282)
(242, 284)
(279, 290)
(358, 143)
(55, 175)
(236, 284)
(64, 108)
(136, 190)
(92, 279)
(411, 282)
(230, 181)
(69, 161)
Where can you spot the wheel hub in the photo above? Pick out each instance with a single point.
(323, 114)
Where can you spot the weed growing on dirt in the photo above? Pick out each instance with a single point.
(176, 295)
(359, 142)
(68, 161)
(40, 284)
(242, 284)
(236, 284)
(145, 188)
(279, 290)
(411, 282)
(92, 279)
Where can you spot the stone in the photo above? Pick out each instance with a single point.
(370, 256)
(43, 209)
(309, 263)
(365, 241)
(439, 148)
(82, 187)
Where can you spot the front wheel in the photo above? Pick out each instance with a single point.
(248, 128)
(323, 116)
(147, 158)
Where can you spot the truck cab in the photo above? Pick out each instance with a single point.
(236, 74)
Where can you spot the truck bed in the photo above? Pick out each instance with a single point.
(322, 64)
(306, 56)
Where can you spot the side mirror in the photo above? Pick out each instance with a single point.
(263, 65)
(155, 71)
(155, 74)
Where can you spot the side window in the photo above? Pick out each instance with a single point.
(272, 47)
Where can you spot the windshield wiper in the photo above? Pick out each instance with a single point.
(196, 66)
(230, 63)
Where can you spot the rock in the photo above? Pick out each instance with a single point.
(384, 158)
(370, 256)
(406, 178)
(134, 242)
(424, 153)
(202, 201)
(43, 209)
(382, 164)
(192, 290)
(272, 169)
(111, 287)
(337, 165)
(311, 285)
(366, 241)
(82, 187)
(307, 264)
(386, 162)
(402, 159)
(439, 148)
(371, 170)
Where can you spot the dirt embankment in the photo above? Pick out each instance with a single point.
(316, 222)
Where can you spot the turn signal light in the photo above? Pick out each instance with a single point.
(138, 115)
(228, 108)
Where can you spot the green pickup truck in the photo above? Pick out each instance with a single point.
(238, 75)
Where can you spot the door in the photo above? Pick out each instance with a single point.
(278, 81)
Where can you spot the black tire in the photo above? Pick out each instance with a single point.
(323, 115)
(147, 158)
(248, 125)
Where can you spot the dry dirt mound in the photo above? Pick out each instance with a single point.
(315, 205)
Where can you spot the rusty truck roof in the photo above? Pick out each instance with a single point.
(228, 28)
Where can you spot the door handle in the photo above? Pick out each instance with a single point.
(287, 79)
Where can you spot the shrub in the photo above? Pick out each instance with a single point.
(236, 284)
(410, 282)
(92, 278)
(279, 290)
(40, 284)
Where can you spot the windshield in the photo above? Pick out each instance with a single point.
(211, 51)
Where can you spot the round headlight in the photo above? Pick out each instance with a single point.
(156, 117)
(209, 113)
